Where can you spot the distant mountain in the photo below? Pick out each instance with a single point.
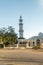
(40, 36)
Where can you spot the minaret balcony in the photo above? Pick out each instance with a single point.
(21, 30)
(20, 20)
(20, 23)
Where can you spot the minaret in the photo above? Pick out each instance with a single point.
(21, 28)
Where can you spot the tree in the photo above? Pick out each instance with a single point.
(12, 34)
(8, 35)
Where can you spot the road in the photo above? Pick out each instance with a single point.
(20, 57)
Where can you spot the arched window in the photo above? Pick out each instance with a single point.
(38, 42)
(20, 42)
(29, 43)
(33, 43)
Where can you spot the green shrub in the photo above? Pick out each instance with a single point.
(36, 47)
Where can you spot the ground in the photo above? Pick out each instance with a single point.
(21, 57)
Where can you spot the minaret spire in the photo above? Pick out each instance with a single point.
(20, 27)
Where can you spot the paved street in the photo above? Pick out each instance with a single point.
(20, 57)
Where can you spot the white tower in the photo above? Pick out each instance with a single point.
(21, 28)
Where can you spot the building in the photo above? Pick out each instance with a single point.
(30, 43)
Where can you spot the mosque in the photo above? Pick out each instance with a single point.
(29, 43)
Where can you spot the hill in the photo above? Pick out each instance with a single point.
(40, 36)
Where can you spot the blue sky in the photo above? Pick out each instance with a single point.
(31, 11)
